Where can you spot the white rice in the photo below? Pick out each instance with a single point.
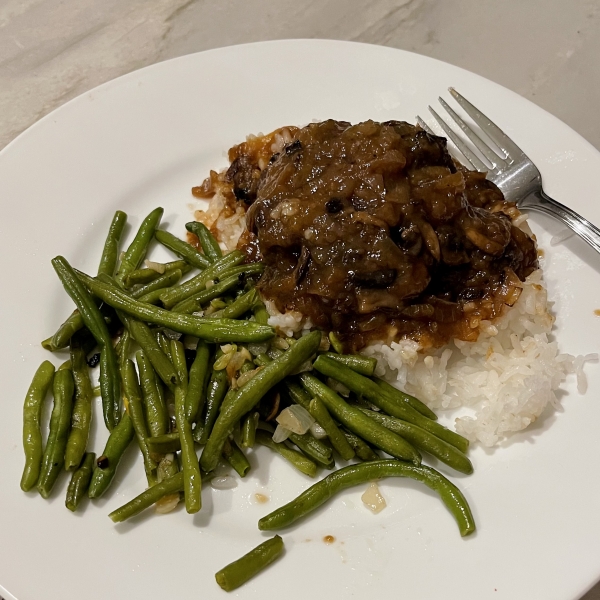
(507, 377)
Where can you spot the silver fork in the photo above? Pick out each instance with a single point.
(514, 173)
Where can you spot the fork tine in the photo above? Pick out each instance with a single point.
(494, 158)
(494, 132)
(424, 125)
(473, 159)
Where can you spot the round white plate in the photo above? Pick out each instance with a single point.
(144, 140)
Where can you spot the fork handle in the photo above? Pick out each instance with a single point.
(541, 202)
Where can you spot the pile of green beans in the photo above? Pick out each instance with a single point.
(192, 374)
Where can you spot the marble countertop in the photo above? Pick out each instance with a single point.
(545, 50)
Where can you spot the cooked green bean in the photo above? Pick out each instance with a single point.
(423, 440)
(183, 249)
(147, 498)
(295, 458)
(237, 573)
(152, 297)
(196, 392)
(136, 251)
(80, 481)
(318, 410)
(110, 253)
(372, 392)
(361, 448)
(157, 417)
(135, 408)
(243, 270)
(159, 284)
(148, 275)
(164, 444)
(60, 422)
(298, 394)
(249, 429)
(81, 418)
(260, 312)
(209, 244)
(313, 448)
(239, 307)
(191, 470)
(32, 434)
(196, 302)
(365, 365)
(246, 398)
(353, 475)
(106, 465)
(352, 418)
(336, 343)
(110, 383)
(216, 390)
(213, 330)
(64, 333)
(198, 283)
(397, 396)
(236, 458)
(144, 336)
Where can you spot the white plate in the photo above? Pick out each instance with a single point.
(144, 140)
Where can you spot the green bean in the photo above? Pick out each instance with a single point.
(365, 365)
(370, 390)
(167, 467)
(164, 444)
(198, 377)
(246, 398)
(352, 418)
(148, 275)
(110, 384)
(106, 465)
(195, 303)
(110, 253)
(164, 343)
(60, 422)
(361, 448)
(135, 408)
(260, 313)
(237, 573)
(198, 283)
(181, 248)
(313, 448)
(80, 481)
(64, 333)
(158, 285)
(318, 410)
(191, 470)
(32, 434)
(152, 297)
(244, 270)
(336, 343)
(236, 458)
(212, 330)
(209, 244)
(81, 418)
(249, 429)
(154, 403)
(216, 390)
(143, 335)
(147, 498)
(134, 255)
(239, 307)
(353, 475)
(399, 397)
(297, 459)
(298, 394)
(423, 440)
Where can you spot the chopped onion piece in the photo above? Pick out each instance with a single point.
(244, 378)
(256, 349)
(317, 431)
(190, 342)
(281, 434)
(296, 418)
(280, 343)
(166, 504)
(226, 482)
(158, 267)
(338, 387)
(172, 335)
(373, 499)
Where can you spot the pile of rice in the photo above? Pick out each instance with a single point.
(506, 379)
